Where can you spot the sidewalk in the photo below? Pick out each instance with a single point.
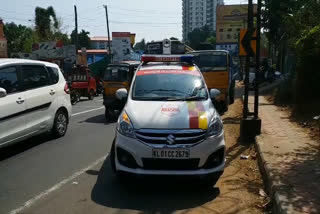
(290, 161)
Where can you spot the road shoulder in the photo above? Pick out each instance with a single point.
(289, 159)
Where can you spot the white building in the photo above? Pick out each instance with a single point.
(198, 13)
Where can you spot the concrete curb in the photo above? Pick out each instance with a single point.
(278, 206)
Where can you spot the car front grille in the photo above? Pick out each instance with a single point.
(171, 137)
(170, 164)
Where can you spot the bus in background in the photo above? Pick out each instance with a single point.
(215, 66)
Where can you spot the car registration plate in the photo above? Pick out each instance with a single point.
(171, 153)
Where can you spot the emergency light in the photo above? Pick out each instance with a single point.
(167, 58)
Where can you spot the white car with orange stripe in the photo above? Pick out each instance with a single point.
(169, 125)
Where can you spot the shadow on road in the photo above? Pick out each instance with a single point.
(152, 194)
(99, 119)
(96, 119)
(23, 146)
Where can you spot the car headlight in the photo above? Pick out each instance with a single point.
(124, 125)
(215, 127)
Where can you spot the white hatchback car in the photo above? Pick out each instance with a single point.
(34, 98)
(169, 125)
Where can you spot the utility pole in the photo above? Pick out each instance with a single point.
(107, 18)
(76, 29)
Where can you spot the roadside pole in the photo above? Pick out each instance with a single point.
(76, 29)
(109, 43)
(250, 125)
(256, 87)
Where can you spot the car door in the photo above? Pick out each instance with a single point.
(39, 97)
(12, 107)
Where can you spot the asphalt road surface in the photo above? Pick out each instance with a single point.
(72, 175)
(34, 165)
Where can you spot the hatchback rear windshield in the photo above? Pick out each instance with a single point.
(169, 87)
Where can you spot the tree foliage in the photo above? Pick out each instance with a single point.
(294, 25)
(140, 45)
(199, 36)
(83, 38)
(20, 38)
(45, 27)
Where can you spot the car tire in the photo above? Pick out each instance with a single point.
(60, 124)
(225, 106)
(113, 157)
(74, 98)
(209, 182)
(108, 114)
(91, 94)
(231, 95)
(120, 176)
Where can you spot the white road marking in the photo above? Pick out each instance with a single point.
(83, 112)
(56, 187)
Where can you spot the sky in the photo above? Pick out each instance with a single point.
(149, 19)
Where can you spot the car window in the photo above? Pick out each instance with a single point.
(34, 76)
(54, 74)
(9, 79)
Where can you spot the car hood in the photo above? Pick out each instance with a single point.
(170, 114)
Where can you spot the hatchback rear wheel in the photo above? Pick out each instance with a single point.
(60, 124)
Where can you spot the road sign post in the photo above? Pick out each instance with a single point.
(250, 126)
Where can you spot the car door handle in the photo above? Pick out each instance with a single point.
(20, 101)
(52, 92)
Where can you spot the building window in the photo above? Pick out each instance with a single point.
(221, 30)
(229, 29)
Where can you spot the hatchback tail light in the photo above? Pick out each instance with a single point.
(66, 88)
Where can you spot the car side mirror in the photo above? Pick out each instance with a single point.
(122, 94)
(3, 92)
(214, 93)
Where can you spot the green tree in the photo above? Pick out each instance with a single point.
(293, 26)
(199, 36)
(62, 37)
(83, 38)
(20, 38)
(140, 45)
(212, 40)
(45, 28)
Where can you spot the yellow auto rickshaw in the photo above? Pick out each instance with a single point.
(116, 76)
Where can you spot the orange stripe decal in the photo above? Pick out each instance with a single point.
(197, 115)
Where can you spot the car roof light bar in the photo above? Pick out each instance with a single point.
(167, 58)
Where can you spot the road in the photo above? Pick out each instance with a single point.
(72, 175)
(35, 165)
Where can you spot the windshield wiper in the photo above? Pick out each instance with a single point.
(159, 98)
(194, 98)
(160, 90)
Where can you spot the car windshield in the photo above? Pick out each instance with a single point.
(116, 73)
(169, 87)
(211, 61)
